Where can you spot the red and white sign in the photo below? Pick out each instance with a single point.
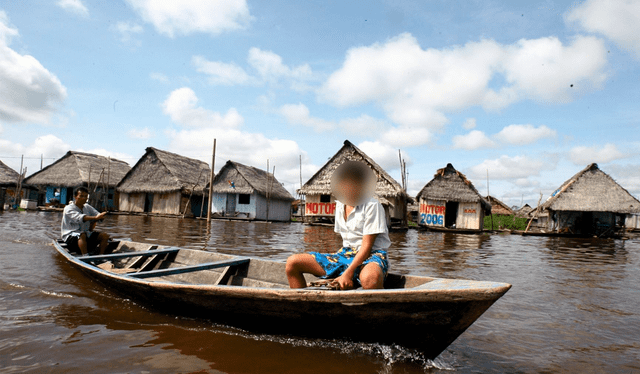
(320, 209)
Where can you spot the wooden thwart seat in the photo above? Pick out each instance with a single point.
(189, 268)
(114, 256)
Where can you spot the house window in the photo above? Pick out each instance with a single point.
(325, 198)
(244, 198)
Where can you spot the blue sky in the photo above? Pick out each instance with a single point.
(527, 92)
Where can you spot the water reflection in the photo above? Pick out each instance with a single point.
(574, 305)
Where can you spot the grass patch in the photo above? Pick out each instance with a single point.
(505, 222)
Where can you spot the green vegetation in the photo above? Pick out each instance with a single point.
(505, 222)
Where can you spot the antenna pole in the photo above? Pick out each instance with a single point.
(213, 165)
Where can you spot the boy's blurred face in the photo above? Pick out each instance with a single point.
(351, 191)
(81, 198)
(353, 183)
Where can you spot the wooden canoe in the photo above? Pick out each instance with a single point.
(416, 312)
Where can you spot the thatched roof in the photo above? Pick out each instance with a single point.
(498, 207)
(248, 180)
(524, 211)
(79, 168)
(8, 176)
(592, 190)
(320, 182)
(160, 171)
(451, 185)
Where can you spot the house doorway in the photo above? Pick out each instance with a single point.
(231, 203)
(450, 213)
(148, 203)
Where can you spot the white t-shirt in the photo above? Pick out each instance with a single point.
(365, 219)
(72, 223)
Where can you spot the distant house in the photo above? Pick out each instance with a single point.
(451, 201)
(524, 211)
(8, 185)
(320, 203)
(498, 207)
(241, 191)
(589, 203)
(165, 183)
(98, 173)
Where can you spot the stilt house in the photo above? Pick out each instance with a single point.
(165, 183)
(590, 203)
(451, 201)
(8, 185)
(498, 207)
(320, 203)
(524, 211)
(245, 192)
(98, 173)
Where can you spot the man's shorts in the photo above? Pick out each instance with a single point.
(334, 264)
(92, 243)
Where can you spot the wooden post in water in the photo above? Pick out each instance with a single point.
(213, 164)
(18, 198)
(301, 207)
(108, 184)
(269, 183)
(489, 198)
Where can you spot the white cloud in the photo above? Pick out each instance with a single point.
(29, 92)
(195, 139)
(505, 168)
(406, 136)
(364, 125)
(384, 155)
(181, 106)
(159, 77)
(185, 17)
(144, 133)
(220, 72)
(628, 176)
(48, 146)
(545, 70)
(11, 148)
(586, 155)
(524, 134)
(473, 140)
(469, 123)
(267, 67)
(618, 20)
(298, 114)
(270, 67)
(418, 87)
(74, 6)
(129, 159)
(127, 30)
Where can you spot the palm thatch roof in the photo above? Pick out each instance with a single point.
(592, 190)
(451, 185)
(498, 207)
(160, 171)
(320, 182)
(524, 211)
(8, 176)
(237, 178)
(79, 168)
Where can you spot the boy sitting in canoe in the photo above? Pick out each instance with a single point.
(361, 221)
(78, 223)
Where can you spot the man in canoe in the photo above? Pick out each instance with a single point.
(78, 223)
(361, 221)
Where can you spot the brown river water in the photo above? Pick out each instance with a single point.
(574, 306)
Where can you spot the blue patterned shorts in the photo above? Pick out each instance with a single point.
(334, 264)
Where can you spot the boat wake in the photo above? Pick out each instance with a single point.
(389, 354)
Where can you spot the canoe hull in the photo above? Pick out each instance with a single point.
(426, 321)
